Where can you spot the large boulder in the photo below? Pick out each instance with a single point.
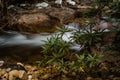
(43, 20)
(34, 22)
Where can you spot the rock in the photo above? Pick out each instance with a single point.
(71, 2)
(11, 6)
(58, 2)
(33, 72)
(103, 25)
(3, 73)
(11, 71)
(20, 64)
(29, 77)
(23, 5)
(89, 78)
(64, 71)
(5, 77)
(46, 76)
(42, 20)
(36, 22)
(73, 73)
(1, 63)
(64, 15)
(18, 74)
(43, 4)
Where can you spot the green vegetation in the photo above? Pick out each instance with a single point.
(90, 38)
(56, 49)
(85, 62)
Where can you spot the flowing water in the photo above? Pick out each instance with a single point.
(26, 47)
(16, 42)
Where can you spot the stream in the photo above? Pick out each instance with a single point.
(16, 42)
(26, 44)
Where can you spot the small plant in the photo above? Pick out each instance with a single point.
(93, 59)
(85, 62)
(55, 48)
(40, 63)
(88, 37)
(55, 45)
(79, 64)
(62, 64)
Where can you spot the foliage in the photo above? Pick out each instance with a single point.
(88, 37)
(55, 45)
(84, 62)
(40, 63)
(62, 64)
(55, 48)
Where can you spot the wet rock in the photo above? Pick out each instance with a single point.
(103, 25)
(36, 22)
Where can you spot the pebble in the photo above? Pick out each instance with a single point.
(71, 2)
(42, 5)
(58, 2)
(23, 5)
(11, 6)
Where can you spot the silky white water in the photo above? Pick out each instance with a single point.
(12, 38)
